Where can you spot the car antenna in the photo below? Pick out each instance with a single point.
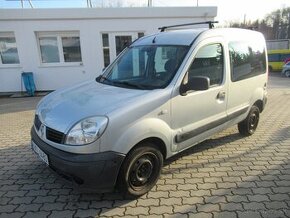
(210, 25)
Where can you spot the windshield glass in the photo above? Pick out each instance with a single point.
(145, 67)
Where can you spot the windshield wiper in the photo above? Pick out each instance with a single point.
(133, 85)
(103, 78)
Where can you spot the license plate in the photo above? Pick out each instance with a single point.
(40, 153)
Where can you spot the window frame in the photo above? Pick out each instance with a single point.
(9, 35)
(58, 36)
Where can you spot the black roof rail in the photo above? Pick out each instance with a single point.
(210, 25)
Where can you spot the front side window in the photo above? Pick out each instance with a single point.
(145, 67)
(208, 62)
(8, 49)
(59, 47)
(247, 60)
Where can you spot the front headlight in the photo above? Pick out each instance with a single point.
(87, 130)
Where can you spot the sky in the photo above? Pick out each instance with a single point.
(228, 10)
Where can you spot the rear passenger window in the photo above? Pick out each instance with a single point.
(247, 60)
(208, 62)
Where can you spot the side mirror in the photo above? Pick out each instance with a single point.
(196, 83)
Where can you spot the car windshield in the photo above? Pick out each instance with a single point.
(145, 67)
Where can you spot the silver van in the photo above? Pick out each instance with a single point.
(163, 94)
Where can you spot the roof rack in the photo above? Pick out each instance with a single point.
(210, 25)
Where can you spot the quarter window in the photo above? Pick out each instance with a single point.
(8, 49)
(59, 47)
(208, 62)
(247, 60)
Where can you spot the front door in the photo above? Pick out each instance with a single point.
(199, 113)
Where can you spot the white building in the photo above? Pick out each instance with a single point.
(66, 46)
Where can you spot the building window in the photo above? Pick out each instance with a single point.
(61, 47)
(8, 49)
(141, 34)
(71, 49)
(49, 49)
(122, 42)
(106, 49)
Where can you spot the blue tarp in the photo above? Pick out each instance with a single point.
(28, 81)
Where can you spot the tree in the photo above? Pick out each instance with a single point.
(275, 25)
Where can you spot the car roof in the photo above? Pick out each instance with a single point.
(175, 37)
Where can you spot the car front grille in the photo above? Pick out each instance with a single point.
(54, 135)
(37, 122)
(51, 134)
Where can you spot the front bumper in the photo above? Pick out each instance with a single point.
(98, 171)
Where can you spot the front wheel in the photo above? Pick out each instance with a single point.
(249, 125)
(287, 73)
(140, 170)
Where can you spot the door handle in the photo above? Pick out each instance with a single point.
(221, 95)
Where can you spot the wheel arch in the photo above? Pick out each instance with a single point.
(259, 103)
(160, 144)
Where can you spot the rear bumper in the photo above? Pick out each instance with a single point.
(98, 171)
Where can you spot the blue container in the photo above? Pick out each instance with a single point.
(28, 81)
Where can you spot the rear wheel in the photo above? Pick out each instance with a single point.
(287, 73)
(140, 170)
(249, 125)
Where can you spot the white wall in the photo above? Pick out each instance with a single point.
(90, 23)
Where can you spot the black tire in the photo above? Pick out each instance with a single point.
(249, 125)
(287, 73)
(140, 170)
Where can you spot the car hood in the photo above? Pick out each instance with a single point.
(61, 109)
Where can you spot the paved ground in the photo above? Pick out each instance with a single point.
(225, 176)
